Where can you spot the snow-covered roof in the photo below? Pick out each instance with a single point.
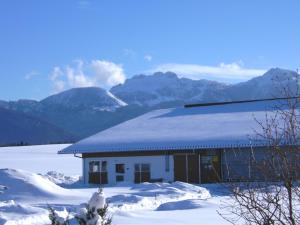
(201, 127)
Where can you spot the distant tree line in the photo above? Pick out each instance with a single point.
(24, 143)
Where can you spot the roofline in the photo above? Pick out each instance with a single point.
(167, 148)
(235, 102)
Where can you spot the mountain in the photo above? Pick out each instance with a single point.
(269, 85)
(85, 111)
(90, 98)
(17, 128)
(80, 111)
(23, 105)
(162, 89)
(166, 88)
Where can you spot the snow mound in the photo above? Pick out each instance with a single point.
(12, 207)
(21, 184)
(60, 178)
(182, 205)
(152, 195)
(175, 188)
(13, 213)
(2, 189)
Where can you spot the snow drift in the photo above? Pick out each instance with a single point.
(12, 213)
(61, 179)
(182, 205)
(156, 195)
(20, 185)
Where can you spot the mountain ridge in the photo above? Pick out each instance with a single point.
(85, 111)
(22, 129)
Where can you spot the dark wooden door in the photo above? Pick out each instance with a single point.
(180, 168)
(193, 168)
(186, 168)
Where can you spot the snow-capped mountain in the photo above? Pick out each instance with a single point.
(79, 111)
(161, 88)
(85, 111)
(90, 98)
(268, 85)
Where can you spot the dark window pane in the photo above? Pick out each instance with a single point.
(167, 161)
(103, 166)
(137, 177)
(94, 178)
(104, 178)
(145, 167)
(145, 176)
(120, 168)
(137, 167)
(91, 166)
(119, 178)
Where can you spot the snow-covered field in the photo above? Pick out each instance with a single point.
(39, 159)
(25, 195)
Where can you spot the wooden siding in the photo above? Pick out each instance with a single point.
(136, 153)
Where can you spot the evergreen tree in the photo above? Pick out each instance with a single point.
(95, 212)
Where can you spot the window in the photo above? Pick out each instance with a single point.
(167, 162)
(98, 172)
(137, 167)
(120, 168)
(104, 166)
(145, 167)
(94, 166)
(119, 178)
(141, 173)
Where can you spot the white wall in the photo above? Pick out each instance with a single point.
(157, 163)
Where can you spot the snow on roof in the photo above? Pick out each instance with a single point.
(198, 127)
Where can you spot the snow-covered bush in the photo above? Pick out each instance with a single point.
(95, 211)
(57, 219)
(92, 213)
(2, 189)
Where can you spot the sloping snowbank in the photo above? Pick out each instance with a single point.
(22, 185)
(152, 195)
(12, 206)
(182, 205)
(12, 213)
(25, 197)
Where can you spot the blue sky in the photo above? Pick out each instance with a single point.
(49, 46)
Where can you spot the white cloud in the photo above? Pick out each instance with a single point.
(59, 85)
(107, 72)
(99, 73)
(31, 74)
(56, 78)
(56, 73)
(76, 75)
(232, 72)
(148, 58)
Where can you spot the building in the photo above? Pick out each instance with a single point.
(194, 144)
